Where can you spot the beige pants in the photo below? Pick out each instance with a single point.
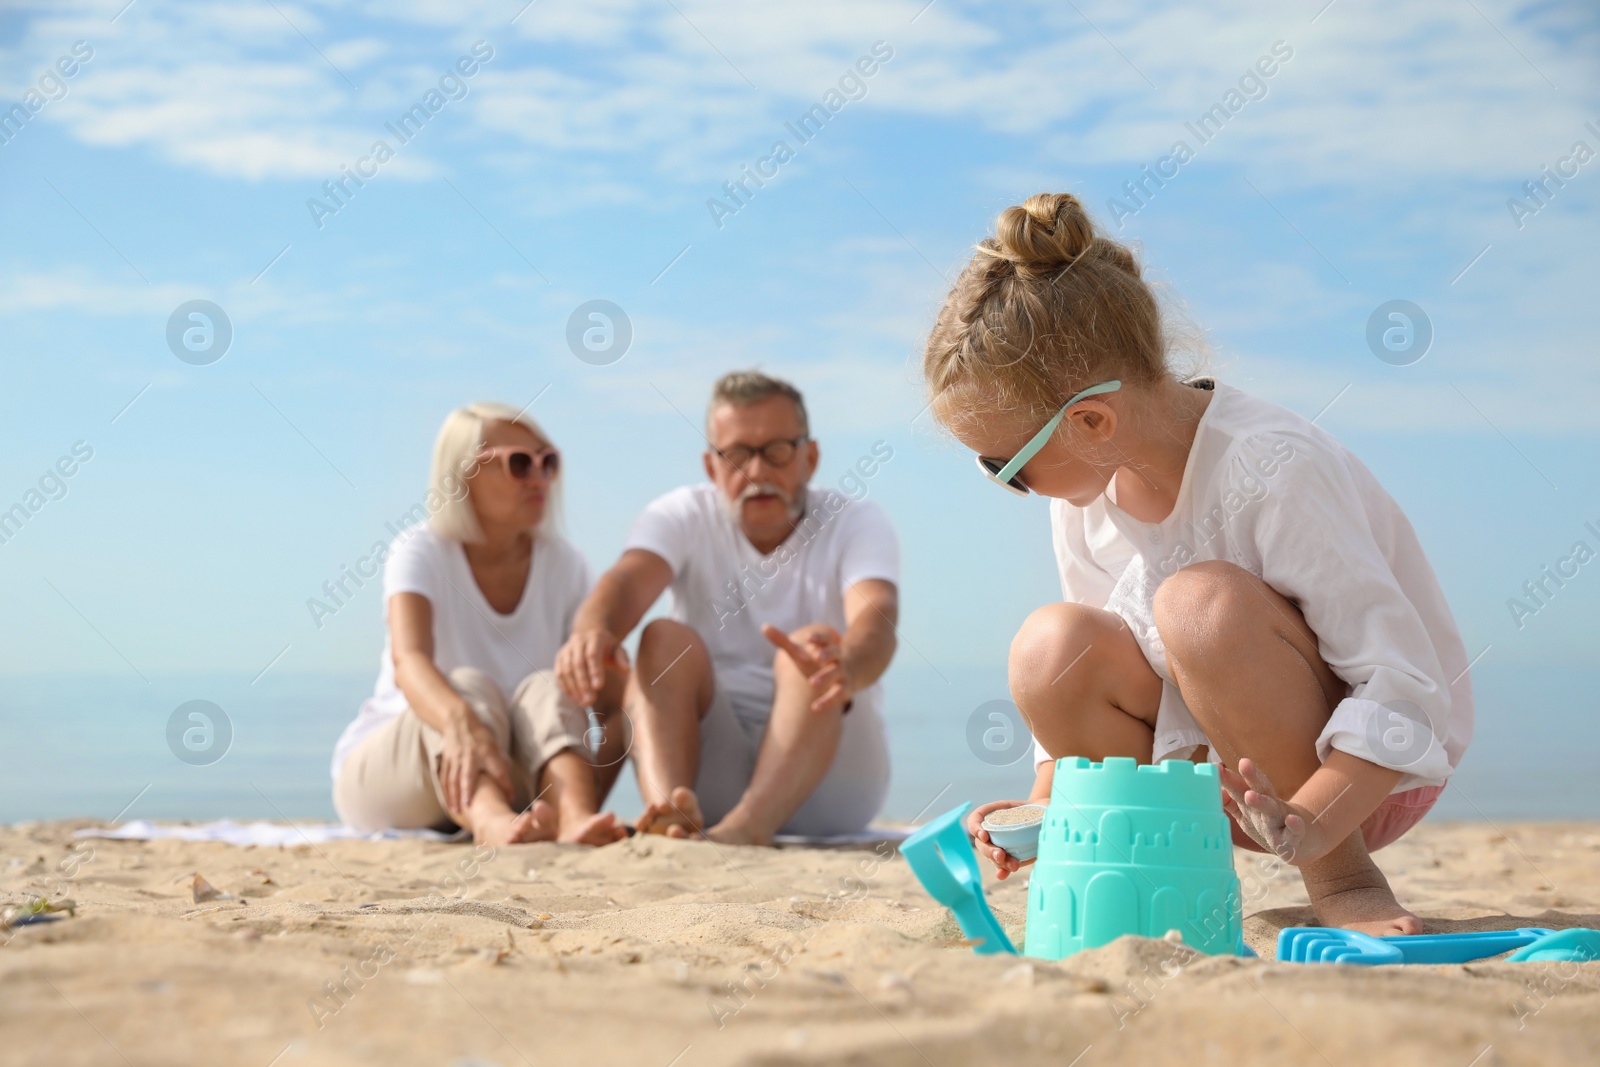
(391, 780)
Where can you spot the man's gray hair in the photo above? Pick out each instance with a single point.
(742, 387)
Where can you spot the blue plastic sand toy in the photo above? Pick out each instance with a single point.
(941, 856)
(1122, 849)
(1578, 945)
(1322, 944)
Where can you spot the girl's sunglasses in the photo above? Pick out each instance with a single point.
(520, 462)
(1007, 473)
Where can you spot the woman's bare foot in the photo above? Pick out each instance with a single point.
(598, 829)
(678, 816)
(1348, 890)
(506, 827)
(546, 822)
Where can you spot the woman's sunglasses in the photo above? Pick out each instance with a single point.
(1007, 473)
(520, 462)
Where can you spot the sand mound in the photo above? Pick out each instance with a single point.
(659, 952)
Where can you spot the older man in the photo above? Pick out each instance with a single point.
(756, 707)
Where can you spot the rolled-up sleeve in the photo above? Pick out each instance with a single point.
(1313, 538)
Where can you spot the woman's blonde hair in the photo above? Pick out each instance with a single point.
(455, 458)
(1045, 307)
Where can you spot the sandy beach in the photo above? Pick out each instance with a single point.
(655, 952)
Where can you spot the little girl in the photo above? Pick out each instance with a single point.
(1237, 586)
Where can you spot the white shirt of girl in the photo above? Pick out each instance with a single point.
(1275, 495)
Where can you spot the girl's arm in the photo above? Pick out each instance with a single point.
(1330, 540)
(1329, 807)
(1005, 863)
(1044, 777)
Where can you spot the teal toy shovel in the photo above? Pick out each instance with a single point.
(941, 856)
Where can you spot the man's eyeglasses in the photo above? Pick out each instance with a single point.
(520, 463)
(779, 453)
(1005, 473)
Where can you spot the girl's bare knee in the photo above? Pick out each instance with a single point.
(1054, 638)
(1209, 587)
(1215, 612)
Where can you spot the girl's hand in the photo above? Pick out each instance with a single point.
(1273, 823)
(470, 751)
(1005, 863)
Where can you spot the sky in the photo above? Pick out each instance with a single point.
(589, 155)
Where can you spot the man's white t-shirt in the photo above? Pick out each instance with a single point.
(724, 589)
(1266, 490)
(467, 630)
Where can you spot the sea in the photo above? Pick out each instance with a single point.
(114, 747)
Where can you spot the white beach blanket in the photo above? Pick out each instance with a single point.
(267, 834)
(870, 836)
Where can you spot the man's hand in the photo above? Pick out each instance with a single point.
(1005, 863)
(1275, 824)
(819, 659)
(582, 663)
(470, 751)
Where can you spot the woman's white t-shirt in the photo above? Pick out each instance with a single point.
(467, 630)
(1266, 490)
(725, 589)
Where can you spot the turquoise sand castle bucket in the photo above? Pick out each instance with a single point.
(1130, 849)
(1123, 849)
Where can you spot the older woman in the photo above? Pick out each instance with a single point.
(467, 725)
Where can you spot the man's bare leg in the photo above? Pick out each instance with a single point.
(796, 752)
(668, 692)
(1250, 671)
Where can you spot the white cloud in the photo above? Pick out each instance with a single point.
(1373, 94)
(353, 55)
(603, 104)
(82, 292)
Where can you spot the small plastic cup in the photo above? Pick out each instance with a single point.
(1019, 837)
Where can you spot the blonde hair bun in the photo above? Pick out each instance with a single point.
(1050, 231)
(1046, 306)
(1047, 232)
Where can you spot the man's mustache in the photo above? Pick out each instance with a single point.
(763, 488)
(795, 502)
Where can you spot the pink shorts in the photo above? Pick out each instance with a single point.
(1398, 813)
